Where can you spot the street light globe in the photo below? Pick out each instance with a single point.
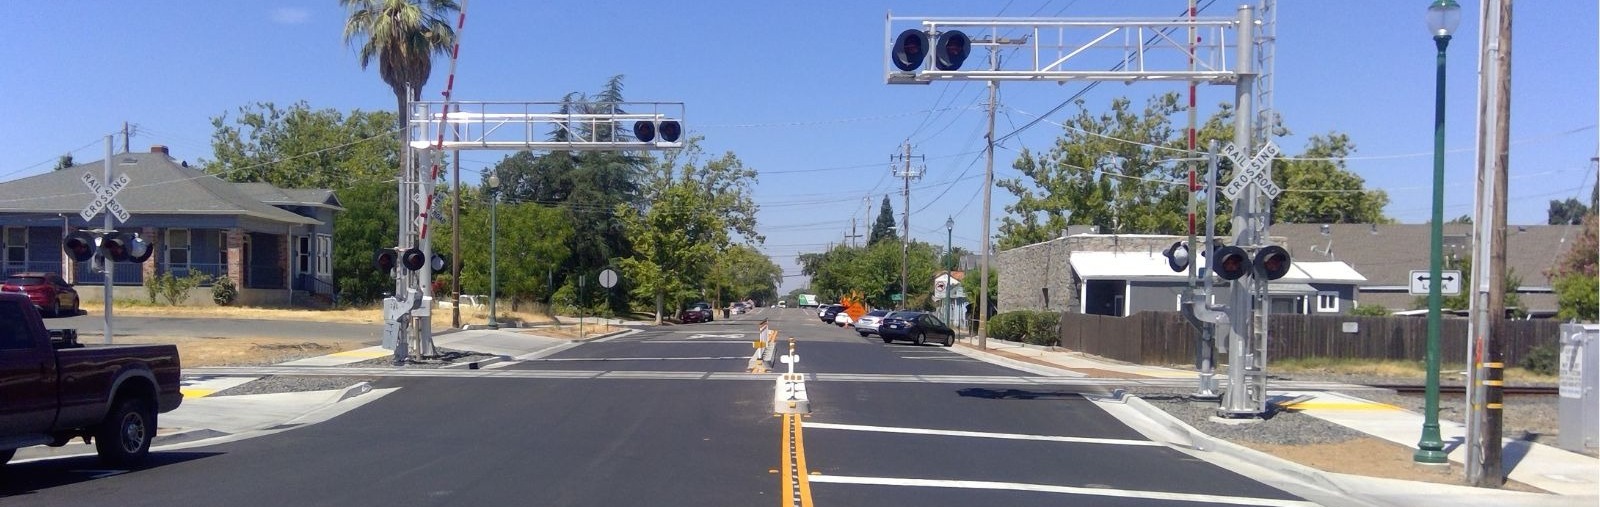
(1443, 17)
(949, 223)
(494, 180)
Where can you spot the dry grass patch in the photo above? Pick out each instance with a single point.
(196, 351)
(572, 331)
(1391, 368)
(1373, 457)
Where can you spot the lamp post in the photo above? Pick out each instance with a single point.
(494, 232)
(1443, 16)
(949, 231)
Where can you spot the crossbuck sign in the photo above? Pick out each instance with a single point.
(104, 197)
(1251, 171)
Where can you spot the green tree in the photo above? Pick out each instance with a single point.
(532, 241)
(675, 243)
(1568, 212)
(63, 162)
(1575, 277)
(874, 271)
(1320, 189)
(358, 232)
(403, 36)
(883, 228)
(742, 272)
(1463, 219)
(1113, 170)
(301, 147)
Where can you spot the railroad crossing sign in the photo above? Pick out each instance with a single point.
(1251, 171)
(1450, 282)
(608, 278)
(104, 197)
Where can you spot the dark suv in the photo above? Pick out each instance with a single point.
(829, 312)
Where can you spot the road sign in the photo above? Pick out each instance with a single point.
(608, 278)
(1251, 171)
(896, 297)
(1450, 284)
(104, 197)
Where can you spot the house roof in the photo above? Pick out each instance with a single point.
(159, 185)
(1153, 266)
(1386, 253)
(312, 197)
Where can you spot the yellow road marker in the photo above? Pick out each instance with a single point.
(196, 393)
(796, 481)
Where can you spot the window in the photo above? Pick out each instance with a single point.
(1327, 302)
(302, 255)
(14, 332)
(324, 254)
(16, 242)
(178, 248)
(222, 249)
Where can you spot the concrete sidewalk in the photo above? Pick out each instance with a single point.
(509, 343)
(1575, 477)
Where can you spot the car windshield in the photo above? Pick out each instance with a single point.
(877, 313)
(25, 280)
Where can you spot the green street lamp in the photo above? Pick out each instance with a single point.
(1443, 17)
(494, 229)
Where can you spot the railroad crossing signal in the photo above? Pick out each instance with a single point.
(104, 197)
(1251, 171)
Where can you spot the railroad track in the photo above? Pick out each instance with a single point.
(1456, 389)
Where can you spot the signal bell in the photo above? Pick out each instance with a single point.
(1177, 256)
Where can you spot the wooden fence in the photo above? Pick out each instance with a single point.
(1166, 338)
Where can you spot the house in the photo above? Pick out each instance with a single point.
(1387, 254)
(1125, 274)
(274, 244)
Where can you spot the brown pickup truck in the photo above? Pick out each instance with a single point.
(53, 389)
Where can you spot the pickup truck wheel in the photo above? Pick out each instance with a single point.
(124, 438)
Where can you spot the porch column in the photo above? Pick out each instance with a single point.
(149, 234)
(288, 263)
(236, 256)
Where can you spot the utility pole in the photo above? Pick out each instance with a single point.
(127, 132)
(906, 174)
(988, 182)
(1486, 354)
(851, 237)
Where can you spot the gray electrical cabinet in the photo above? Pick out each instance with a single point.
(1580, 401)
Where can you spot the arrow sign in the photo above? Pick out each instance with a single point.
(1251, 171)
(1449, 282)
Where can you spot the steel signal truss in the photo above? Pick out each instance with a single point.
(591, 126)
(1062, 49)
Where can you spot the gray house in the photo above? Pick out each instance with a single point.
(275, 244)
(1387, 253)
(1126, 274)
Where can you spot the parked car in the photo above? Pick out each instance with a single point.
(693, 316)
(828, 312)
(843, 319)
(48, 291)
(704, 308)
(868, 325)
(918, 327)
(738, 308)
(56, 390)
(783, 304)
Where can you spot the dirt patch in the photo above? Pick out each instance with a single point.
(1373, 457)
(196, 351)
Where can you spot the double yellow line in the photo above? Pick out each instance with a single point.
(796, 486)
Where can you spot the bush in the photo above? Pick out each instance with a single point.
(223, 292)
(1544, 359)
(173, 289)
(1034, 327)
(1369, 311)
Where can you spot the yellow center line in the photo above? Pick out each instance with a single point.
(796, 490)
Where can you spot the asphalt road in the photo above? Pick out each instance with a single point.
(658, 438)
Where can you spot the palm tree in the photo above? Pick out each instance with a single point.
(403, 35)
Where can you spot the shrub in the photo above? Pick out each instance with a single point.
(152, 286)
(1544, 359)
(173, 289)
(1034, 327)
(223, 292)
(1369, 311)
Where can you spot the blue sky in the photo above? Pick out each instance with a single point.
(796, 90)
